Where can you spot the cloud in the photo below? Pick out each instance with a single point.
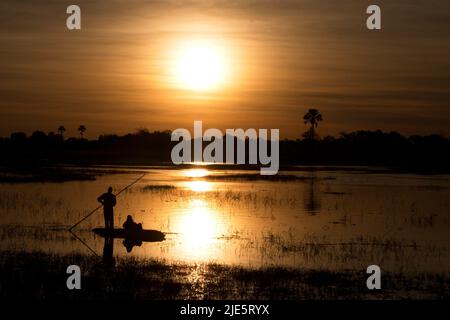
(291, 54)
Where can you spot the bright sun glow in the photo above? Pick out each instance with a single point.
(199, 186)
(200, 66)
(200, 227)
(196, 173)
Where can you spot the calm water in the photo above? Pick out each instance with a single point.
(331, 220)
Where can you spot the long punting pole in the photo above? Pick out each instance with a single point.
(95, 210)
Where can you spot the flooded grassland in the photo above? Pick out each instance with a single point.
(235, 234)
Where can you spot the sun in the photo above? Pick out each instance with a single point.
(200, 66)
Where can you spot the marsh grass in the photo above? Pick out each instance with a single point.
(43, 276)
(267, 222)
(234, 199)
(158, 187)
(258, 177)
(355, 252)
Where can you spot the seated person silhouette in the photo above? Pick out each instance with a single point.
(132, 231)
(131, 228)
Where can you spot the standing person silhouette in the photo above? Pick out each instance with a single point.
(108, 200)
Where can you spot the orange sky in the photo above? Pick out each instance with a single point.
(113, 75)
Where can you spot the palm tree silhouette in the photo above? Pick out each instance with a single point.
(61, 131)
(312, 117)
(82, 130)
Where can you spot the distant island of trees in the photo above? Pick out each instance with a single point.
(425, 154)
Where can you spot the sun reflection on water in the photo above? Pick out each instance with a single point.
(195, 173)
(200, 226)
(199, 185)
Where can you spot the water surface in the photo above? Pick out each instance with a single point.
(322, 220)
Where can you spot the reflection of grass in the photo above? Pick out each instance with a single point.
(27, 209)
(158, 187)
(359, 248)
(322, 252)
(42, 276)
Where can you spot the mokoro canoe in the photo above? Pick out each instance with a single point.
(144, 235)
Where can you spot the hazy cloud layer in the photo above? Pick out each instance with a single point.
(288, 55)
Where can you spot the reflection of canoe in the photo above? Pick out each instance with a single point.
(144, 235)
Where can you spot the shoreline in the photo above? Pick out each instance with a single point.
(64, 173)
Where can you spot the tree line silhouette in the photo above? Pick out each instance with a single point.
(370, 148)
(81, 129)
